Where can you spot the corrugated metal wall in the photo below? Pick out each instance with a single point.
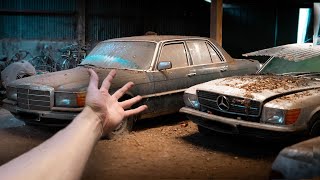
(105, 19)
(37, 19)
(110, 19)
(253, 27)
(44, 5)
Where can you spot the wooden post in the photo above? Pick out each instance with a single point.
(216, 20)
(316, 22)
(81, 22)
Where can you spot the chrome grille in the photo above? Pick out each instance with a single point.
(33, 99)
(237, 105)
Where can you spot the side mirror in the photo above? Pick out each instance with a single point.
(164, 65)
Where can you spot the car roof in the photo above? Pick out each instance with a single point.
(156, 38)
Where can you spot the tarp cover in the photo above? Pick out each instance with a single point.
(17, 70)
(291, 52)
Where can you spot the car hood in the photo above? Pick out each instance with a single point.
(77, 79)
(257, 87)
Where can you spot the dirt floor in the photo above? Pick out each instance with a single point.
(168, 147)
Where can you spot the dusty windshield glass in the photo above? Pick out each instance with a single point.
(281, 66)
(121, 55)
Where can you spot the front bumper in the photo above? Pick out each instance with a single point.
(234, 126)
(45, 118)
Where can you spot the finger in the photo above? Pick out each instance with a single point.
(120, 92)
(94, 79)
(137, 110)
(128, 103)
(107, 81)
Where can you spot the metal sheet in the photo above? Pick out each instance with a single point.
(38, 19)
(291, 52)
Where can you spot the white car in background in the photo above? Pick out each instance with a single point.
(282, 99)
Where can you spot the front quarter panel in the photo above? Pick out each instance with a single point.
(307, 101)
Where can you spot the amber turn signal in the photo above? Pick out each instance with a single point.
(81, 99)
(292, 116)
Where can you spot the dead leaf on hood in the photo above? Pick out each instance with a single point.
(258, 83)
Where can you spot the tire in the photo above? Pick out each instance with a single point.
(126, 125)
(315, 129)
(124, 128)
(314, 126)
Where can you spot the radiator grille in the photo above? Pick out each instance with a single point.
(32, 99)
(236, 105)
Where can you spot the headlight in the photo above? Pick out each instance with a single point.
(191, 100)
(279, 116)
(11, 93)
(70, 99)
(273, 116)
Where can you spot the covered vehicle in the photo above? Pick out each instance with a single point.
(282, 99)
(161, 67)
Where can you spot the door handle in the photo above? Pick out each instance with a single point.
(191, 74)
(224, 68)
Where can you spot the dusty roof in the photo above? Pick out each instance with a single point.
(155, 38)
(292, 52)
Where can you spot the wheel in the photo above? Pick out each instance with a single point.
(205, 131)
(314, 125)
(315, 129)
(124, 128)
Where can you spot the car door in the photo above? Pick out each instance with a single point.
(207, 62)
(170, 84)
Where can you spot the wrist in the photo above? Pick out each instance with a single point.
(90, 120)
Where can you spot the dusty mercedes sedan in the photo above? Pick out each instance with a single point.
(281, 100)
(161, 67)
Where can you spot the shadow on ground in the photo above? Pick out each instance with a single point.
(166, 120)
(32, 132)
(236, 145)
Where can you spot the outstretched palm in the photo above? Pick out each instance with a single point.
(106, 106)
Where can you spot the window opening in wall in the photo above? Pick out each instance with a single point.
(304, 18)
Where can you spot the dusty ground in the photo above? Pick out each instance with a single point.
(169, 147)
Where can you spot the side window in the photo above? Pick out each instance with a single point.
(199, 52)
(213, 54)
(175, 53)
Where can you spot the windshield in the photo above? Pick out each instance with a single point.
(281, 66)
(121, 55)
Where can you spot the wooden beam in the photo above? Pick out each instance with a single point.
(81, 22)
(216, 20)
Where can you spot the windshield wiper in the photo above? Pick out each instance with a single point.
(266, 73)
(303, 74)
(85, 65)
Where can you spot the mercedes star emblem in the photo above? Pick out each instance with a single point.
(223, 103)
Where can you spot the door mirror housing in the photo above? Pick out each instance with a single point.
(163, 65)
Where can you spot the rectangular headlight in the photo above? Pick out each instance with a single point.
(70, 99)
(280, 116)
(191, 100)
(11, 93)
(273, 116)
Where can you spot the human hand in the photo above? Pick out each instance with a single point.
(106, 106)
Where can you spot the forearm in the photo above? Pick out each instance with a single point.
(63, 156)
